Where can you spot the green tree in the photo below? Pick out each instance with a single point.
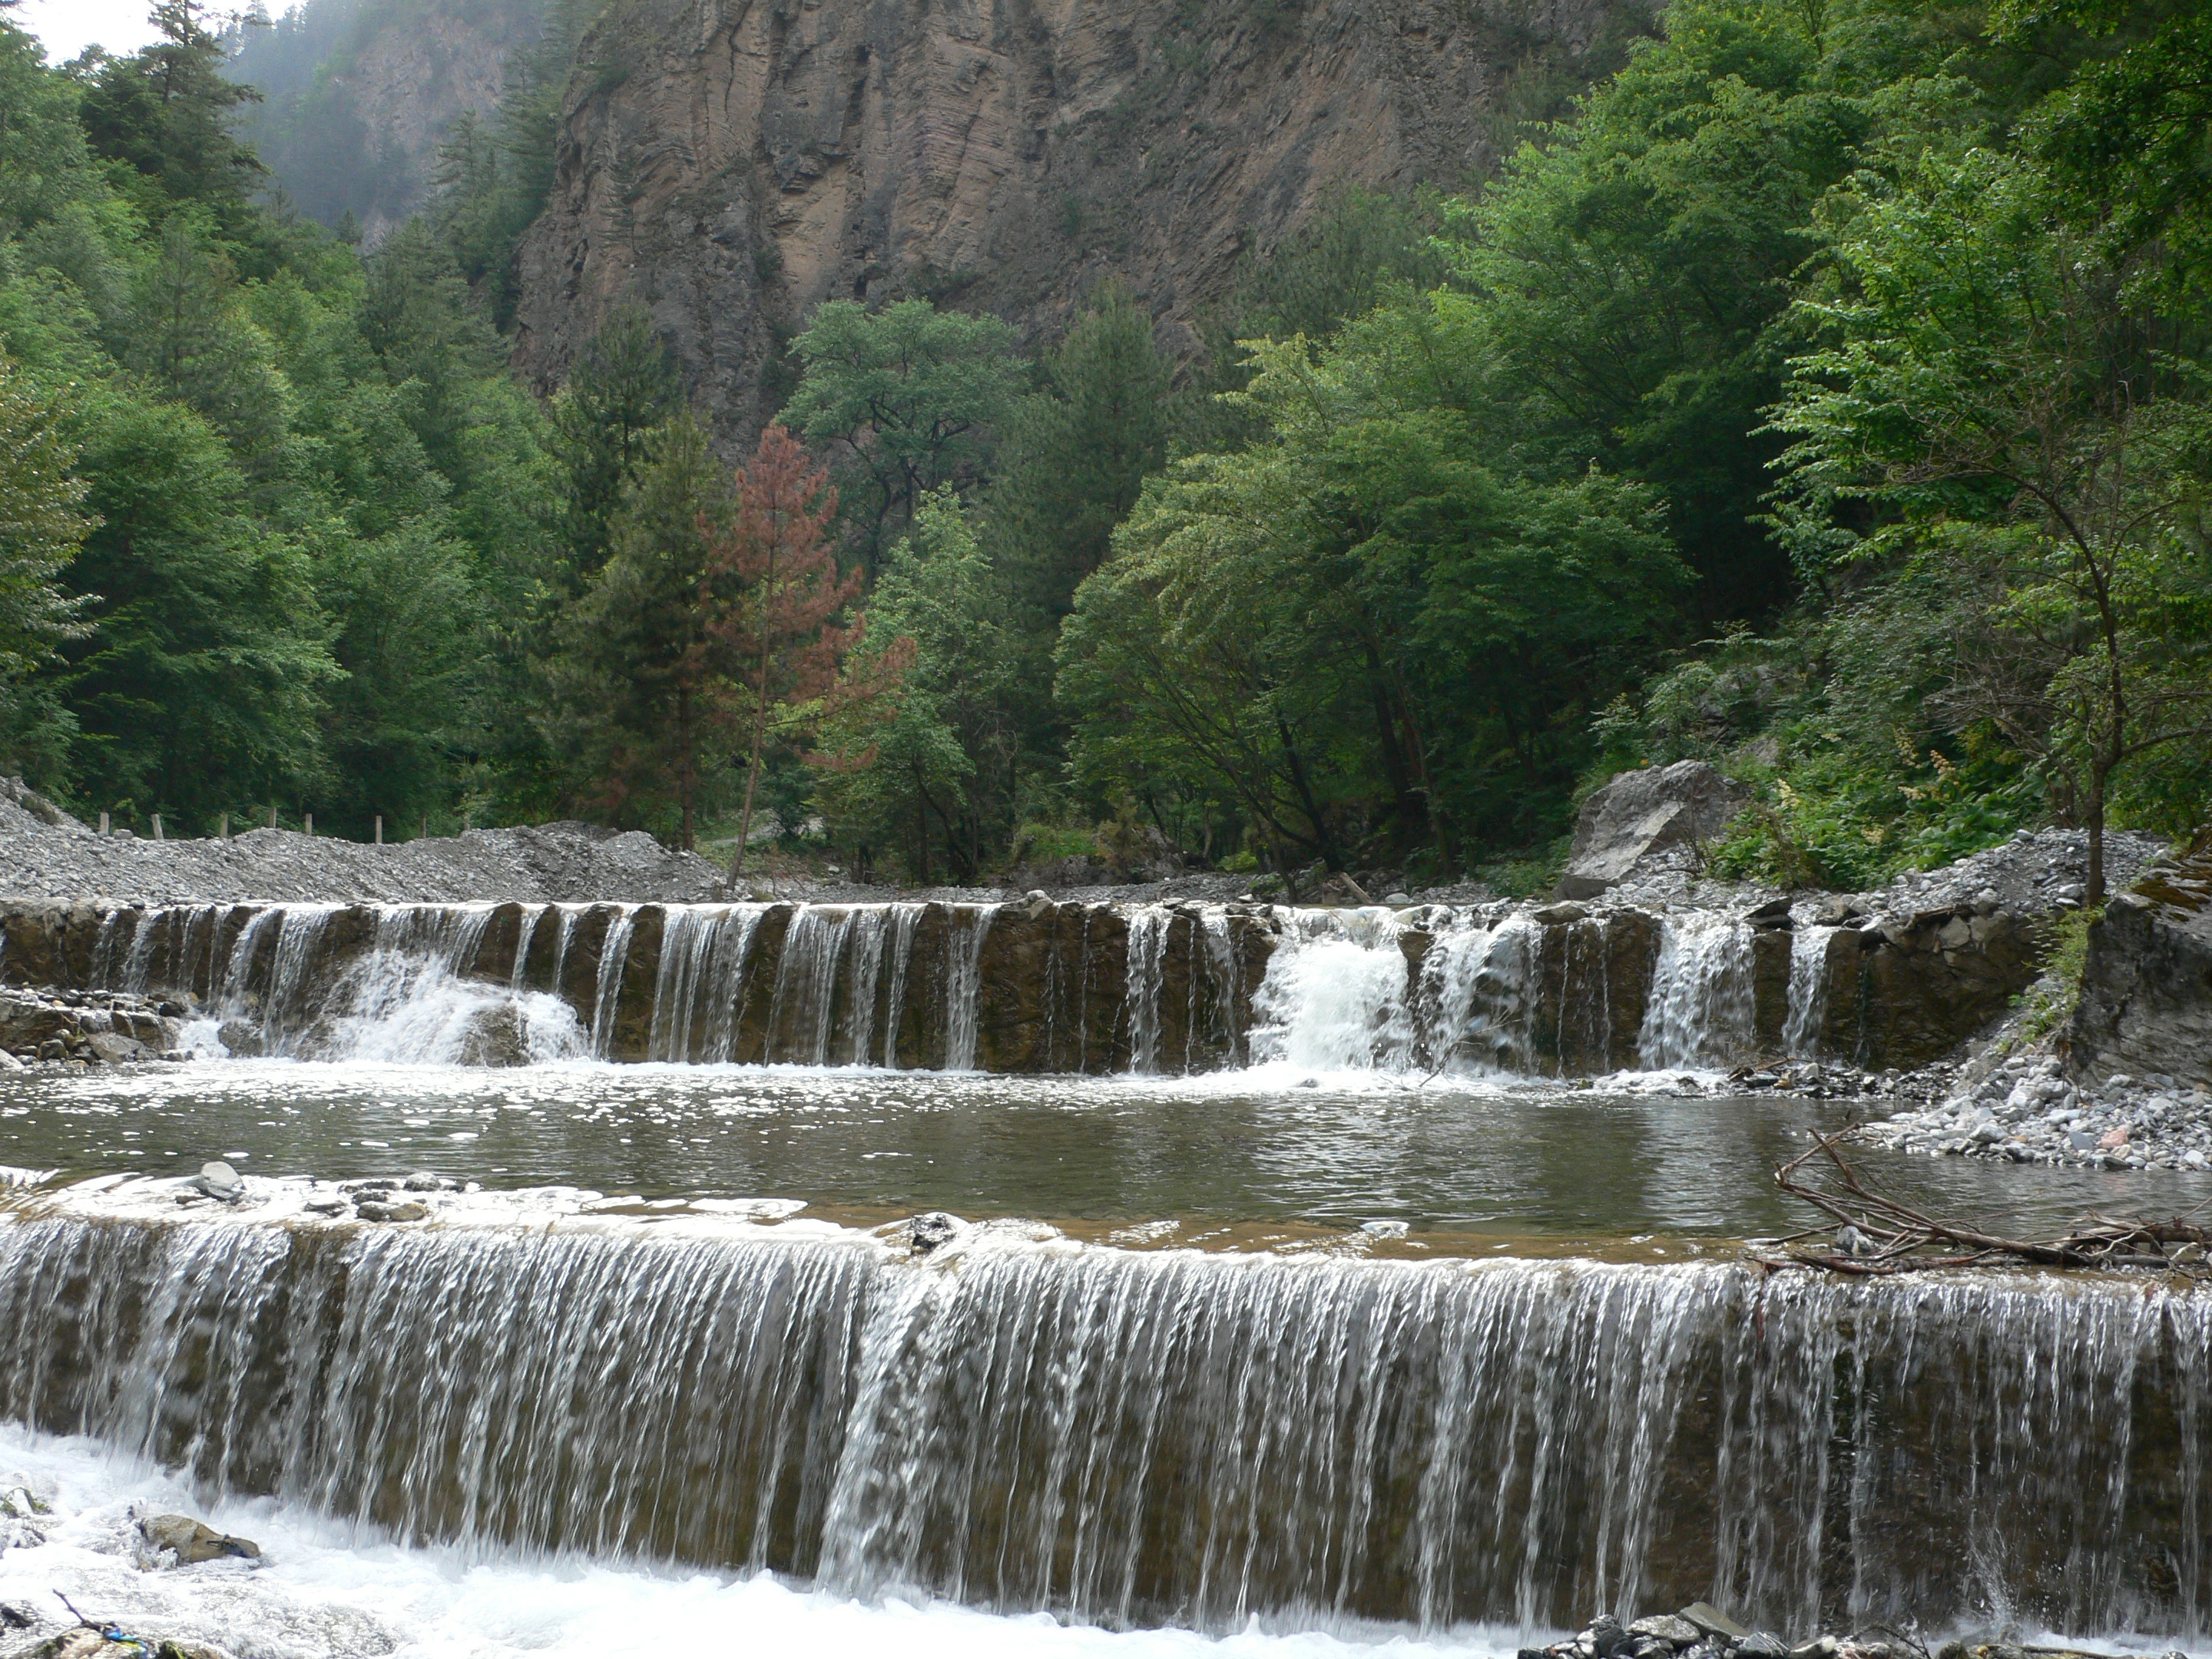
(909, 398)
(167, 113)
(42, 524)
(202, 686)
(1996, 394)
(641, 681)
(1078, 454)
(934, 760)
(623, 387)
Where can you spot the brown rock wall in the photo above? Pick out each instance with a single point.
(733, 164)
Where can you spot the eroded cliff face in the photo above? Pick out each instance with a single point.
(733, 163)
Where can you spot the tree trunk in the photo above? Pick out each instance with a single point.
(760, 728)
(683, 778)
(2095, 894)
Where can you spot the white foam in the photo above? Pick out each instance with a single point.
(324, 1589)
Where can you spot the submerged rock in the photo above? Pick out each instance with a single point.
(933, 1230)
(496, 1037)
(193, 1542)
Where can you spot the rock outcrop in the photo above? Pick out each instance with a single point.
(358, 98)
(1639, 814)
(2146, 1007)
(730, 166)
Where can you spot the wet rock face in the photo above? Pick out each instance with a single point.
(1903, 991)
(734, 168)
(1644, 812)
(2146, 1005)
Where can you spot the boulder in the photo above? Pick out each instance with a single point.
(1643, 813)
(2146, 1005)
(193, 1542)
(218, 1179)
(497, 1035)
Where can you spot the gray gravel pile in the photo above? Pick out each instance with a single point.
(572, 862)
(2025, 1112)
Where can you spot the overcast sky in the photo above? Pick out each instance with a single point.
(67, 27)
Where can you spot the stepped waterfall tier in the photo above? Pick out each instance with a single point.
(1144, 1439)
(1036, 987)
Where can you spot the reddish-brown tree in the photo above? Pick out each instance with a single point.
(772, 597)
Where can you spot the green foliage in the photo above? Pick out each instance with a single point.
(166, 114)
(908, 398)
(1360, 628)
(306, 495)
(937, 767)
(1992, 405)
(2050, 1002)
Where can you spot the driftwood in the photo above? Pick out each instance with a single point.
(1879, 1235)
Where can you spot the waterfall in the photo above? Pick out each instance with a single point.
(801, 1016)
(606, 992)
(1421, 990)
(1160, 1438)
(1700, 1009)
(1808, 991)
(1148, 944)
(904, 919)
(963, 983)
(1340, 995)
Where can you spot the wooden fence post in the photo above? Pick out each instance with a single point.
(157, 826)
(379, 829)
(103, 824)
(310, 822)
(225, 831)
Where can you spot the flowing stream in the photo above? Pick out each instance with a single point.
(1134, 1438)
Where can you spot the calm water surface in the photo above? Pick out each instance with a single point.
(1446, 1157)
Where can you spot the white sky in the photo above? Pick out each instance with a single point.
(67, 26)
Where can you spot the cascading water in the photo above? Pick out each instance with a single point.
(963, 983)
(1808, 991)
(1149, 988)
(1700, 1008)
(1177, 1438)
(1148, 943)
(1340, 994)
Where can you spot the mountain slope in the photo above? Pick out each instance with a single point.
(732, 165)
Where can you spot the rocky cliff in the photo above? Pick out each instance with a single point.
(733, 163)
(360, 93)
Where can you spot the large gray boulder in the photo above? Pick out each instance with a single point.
(2146, 1007)
(1644, 813)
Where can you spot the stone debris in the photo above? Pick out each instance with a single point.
(567, 862)
(71, 1028)
(1701, 1631)
(2027, 1111)
(1639, 814)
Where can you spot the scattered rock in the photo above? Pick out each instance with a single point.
(423, 1181)
(2146, 1003)
(194, 1542)
(369, 1209)
(219, 1180)
(1712, 1621)
(1775, 913)
(933, 1230)
(242, 1040)
(1668, 1627)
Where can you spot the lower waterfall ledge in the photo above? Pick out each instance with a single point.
(1142, 1440)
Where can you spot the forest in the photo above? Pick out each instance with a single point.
(1826, 396)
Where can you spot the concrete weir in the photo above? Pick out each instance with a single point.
(1039, 986)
